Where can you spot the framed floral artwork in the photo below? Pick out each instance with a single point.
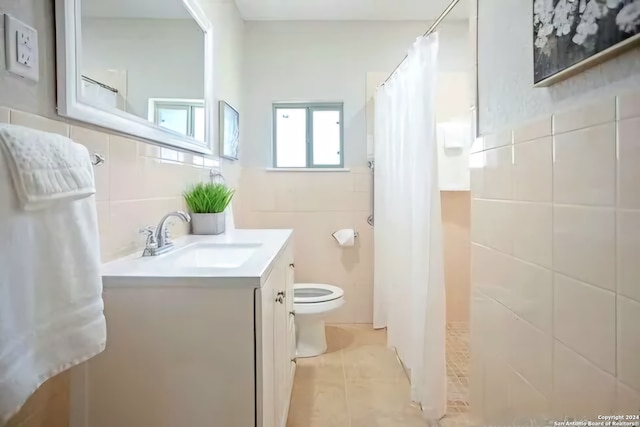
(572, 35)
(229, 131)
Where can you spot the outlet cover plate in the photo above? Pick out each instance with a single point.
(21, 48)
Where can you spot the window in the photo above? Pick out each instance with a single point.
(308, 135)
(185, 116)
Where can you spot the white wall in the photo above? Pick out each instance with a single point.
(15, 91)
(228, 31)
(40, 98)
(228, 41)
(124, 200)
(555, 312)
(164, 58)
(507, 96)
(318, 61)
(453, 100)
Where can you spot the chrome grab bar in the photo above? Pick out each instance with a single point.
(372, 166)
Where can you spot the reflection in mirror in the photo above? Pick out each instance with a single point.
(146, 58)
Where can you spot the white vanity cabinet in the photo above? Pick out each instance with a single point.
(276, 349)
(194, 351)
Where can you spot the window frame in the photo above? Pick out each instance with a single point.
(310, 108)
(188, 105)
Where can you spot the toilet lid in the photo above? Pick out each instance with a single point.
(305, 293)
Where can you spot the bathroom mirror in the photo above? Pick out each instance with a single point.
(139, 67)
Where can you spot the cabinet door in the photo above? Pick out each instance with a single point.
(289, 340)
(290, 275)
(278, 342)
(267, 319)
(282, 361)
(291, 328)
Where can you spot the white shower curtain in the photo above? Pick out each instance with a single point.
(409, 294)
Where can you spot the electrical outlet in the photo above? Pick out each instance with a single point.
(21, 48)
(24, 39)
(24, 50)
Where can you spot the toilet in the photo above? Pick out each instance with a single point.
(312, 302)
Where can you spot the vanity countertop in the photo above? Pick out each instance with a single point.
(238, 258)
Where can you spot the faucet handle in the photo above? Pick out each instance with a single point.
(150, 233)
(148, 230)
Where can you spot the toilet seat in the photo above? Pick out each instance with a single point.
(315, 293)
(312, 302)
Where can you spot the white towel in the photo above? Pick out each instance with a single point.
(45, 167)
(51, 309)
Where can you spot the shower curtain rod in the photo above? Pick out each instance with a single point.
(429, 31)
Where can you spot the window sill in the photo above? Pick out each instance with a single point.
(308, 170)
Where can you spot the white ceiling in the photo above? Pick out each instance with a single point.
(153, 9)
(285, 10)
(348, 10)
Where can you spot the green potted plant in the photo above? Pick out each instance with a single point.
(207, 202)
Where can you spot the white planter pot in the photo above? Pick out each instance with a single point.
(208, 223)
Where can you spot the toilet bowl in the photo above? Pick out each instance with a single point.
(312, 302)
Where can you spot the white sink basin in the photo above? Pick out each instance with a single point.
(212, 255)
(236, 258)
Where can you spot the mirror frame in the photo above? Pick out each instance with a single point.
(69, 104)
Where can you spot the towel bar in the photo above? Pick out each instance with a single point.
(97, 159)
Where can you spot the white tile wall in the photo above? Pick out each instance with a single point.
(41, 123)
(555, 232)
(477, 161)
(498, 180)
(316, 204)
(534, 129)
(584, 166)
(629, 342)
(584, 244)
(594, 114)
(137, 184)
(526, 401)
(580, 389)
(585, 320)
(533, 170)
(530, 352)
(627, 400)
(499, 225)
(496, 391)
(531, 294)
(627, 250)
(533, 243)
(628, 105)
(499, 139)
(629, 159)
(96, 142)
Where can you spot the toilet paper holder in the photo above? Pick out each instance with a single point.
(355, 233)
(335, 234)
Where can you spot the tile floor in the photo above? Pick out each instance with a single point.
(458, 354)
(360, 383)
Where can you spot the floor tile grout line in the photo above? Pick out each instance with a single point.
(346, 391)
(457, 352)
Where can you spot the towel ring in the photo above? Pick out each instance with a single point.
(97, 159)
(216, 176)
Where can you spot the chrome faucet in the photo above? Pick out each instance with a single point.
(158, 238)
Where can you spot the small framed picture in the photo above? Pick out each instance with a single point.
(229, 131)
